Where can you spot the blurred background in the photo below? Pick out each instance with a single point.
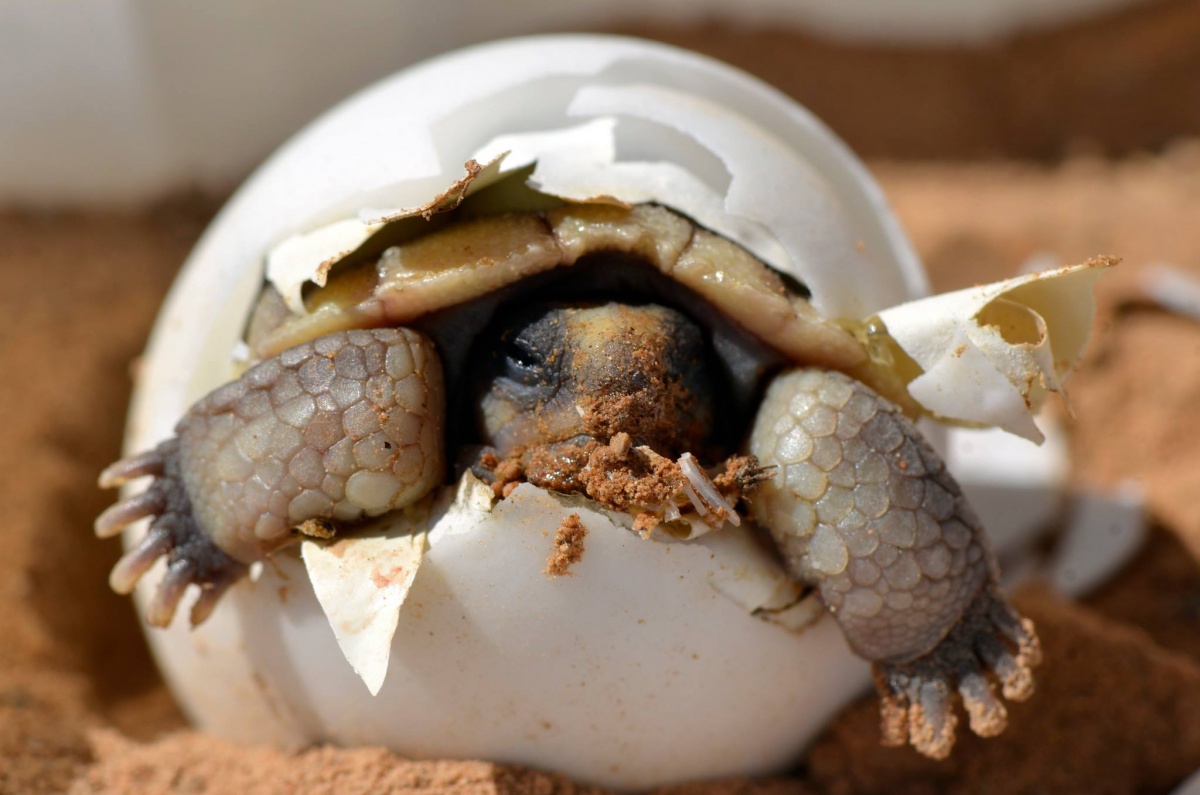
(1006, 134)
(127, 100)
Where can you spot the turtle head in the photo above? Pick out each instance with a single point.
(591, 371)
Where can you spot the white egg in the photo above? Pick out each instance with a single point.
(644, 667)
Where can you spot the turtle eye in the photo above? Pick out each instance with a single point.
(522, 380)
(529, 356)
(521, 375)
(523, 361)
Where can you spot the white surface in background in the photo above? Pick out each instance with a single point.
(118, 101)
(78, 115)
(1172, 288)
(1018, 488)
(1103, 531)
(1189, 787)
(1021, 490)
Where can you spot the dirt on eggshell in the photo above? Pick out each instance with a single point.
(626, 479)
(568, 546)
(83, 709)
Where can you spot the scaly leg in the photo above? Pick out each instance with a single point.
(864, 510)
(327, 433)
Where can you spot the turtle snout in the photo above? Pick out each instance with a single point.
(561, 372)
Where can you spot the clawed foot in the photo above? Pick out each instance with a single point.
(192, 557)
(990, 644)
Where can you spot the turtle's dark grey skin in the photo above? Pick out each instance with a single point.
(585, 348)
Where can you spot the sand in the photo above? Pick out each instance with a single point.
(83, 710)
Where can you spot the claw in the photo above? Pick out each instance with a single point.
(117, 517)
(987, 714)
(129, 569)
(150, 462)
(210, 595)
(1019, 631)
(917, 710)
(931, 720)
(1016, 678)
(893, 708)
(162, 607)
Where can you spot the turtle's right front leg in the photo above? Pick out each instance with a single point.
(865, 510)
(328, 433)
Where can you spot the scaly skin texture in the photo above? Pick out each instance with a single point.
(864, 510)
(326, 434)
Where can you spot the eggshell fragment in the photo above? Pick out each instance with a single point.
(989, 354)
(309, 257)
(362, 582)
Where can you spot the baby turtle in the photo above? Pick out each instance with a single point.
(618, 352)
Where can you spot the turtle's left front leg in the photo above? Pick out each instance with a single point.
(865, 510)
(325, 435)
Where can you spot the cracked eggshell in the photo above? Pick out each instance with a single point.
(989, 354)
(643, 667)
